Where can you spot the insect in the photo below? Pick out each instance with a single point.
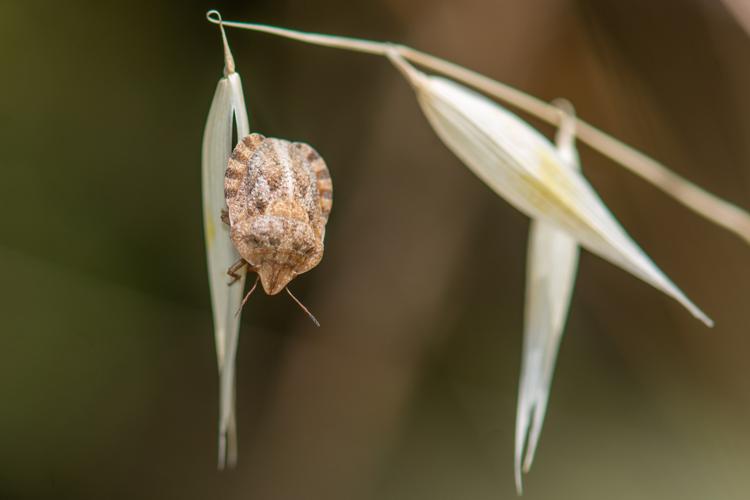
(279, 195)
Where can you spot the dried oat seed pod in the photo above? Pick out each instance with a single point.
(525, 169)
(227, 113)
(550, 277)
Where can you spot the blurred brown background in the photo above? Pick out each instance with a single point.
(108, 385)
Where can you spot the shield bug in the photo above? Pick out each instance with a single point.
(279, 195)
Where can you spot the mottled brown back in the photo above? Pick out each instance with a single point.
(279, 196)
(262, 169)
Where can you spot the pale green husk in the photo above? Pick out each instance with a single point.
(550, 276)
(523, 167)
(545, 183)
(227, 111)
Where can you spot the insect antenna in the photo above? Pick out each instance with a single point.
(307, 311)
(244, 301)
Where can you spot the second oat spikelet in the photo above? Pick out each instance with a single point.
(525, 169)
(550, 277)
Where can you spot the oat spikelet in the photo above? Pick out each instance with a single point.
(550, 276)
(227, 111)
(524, 168)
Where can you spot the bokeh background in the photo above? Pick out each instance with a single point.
(108, 384)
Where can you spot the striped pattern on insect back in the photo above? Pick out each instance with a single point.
(323, 183)
(310, 173)
(269, 184)
(237, 171)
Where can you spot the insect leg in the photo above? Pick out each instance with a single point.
(236, 268)
(225, 216)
